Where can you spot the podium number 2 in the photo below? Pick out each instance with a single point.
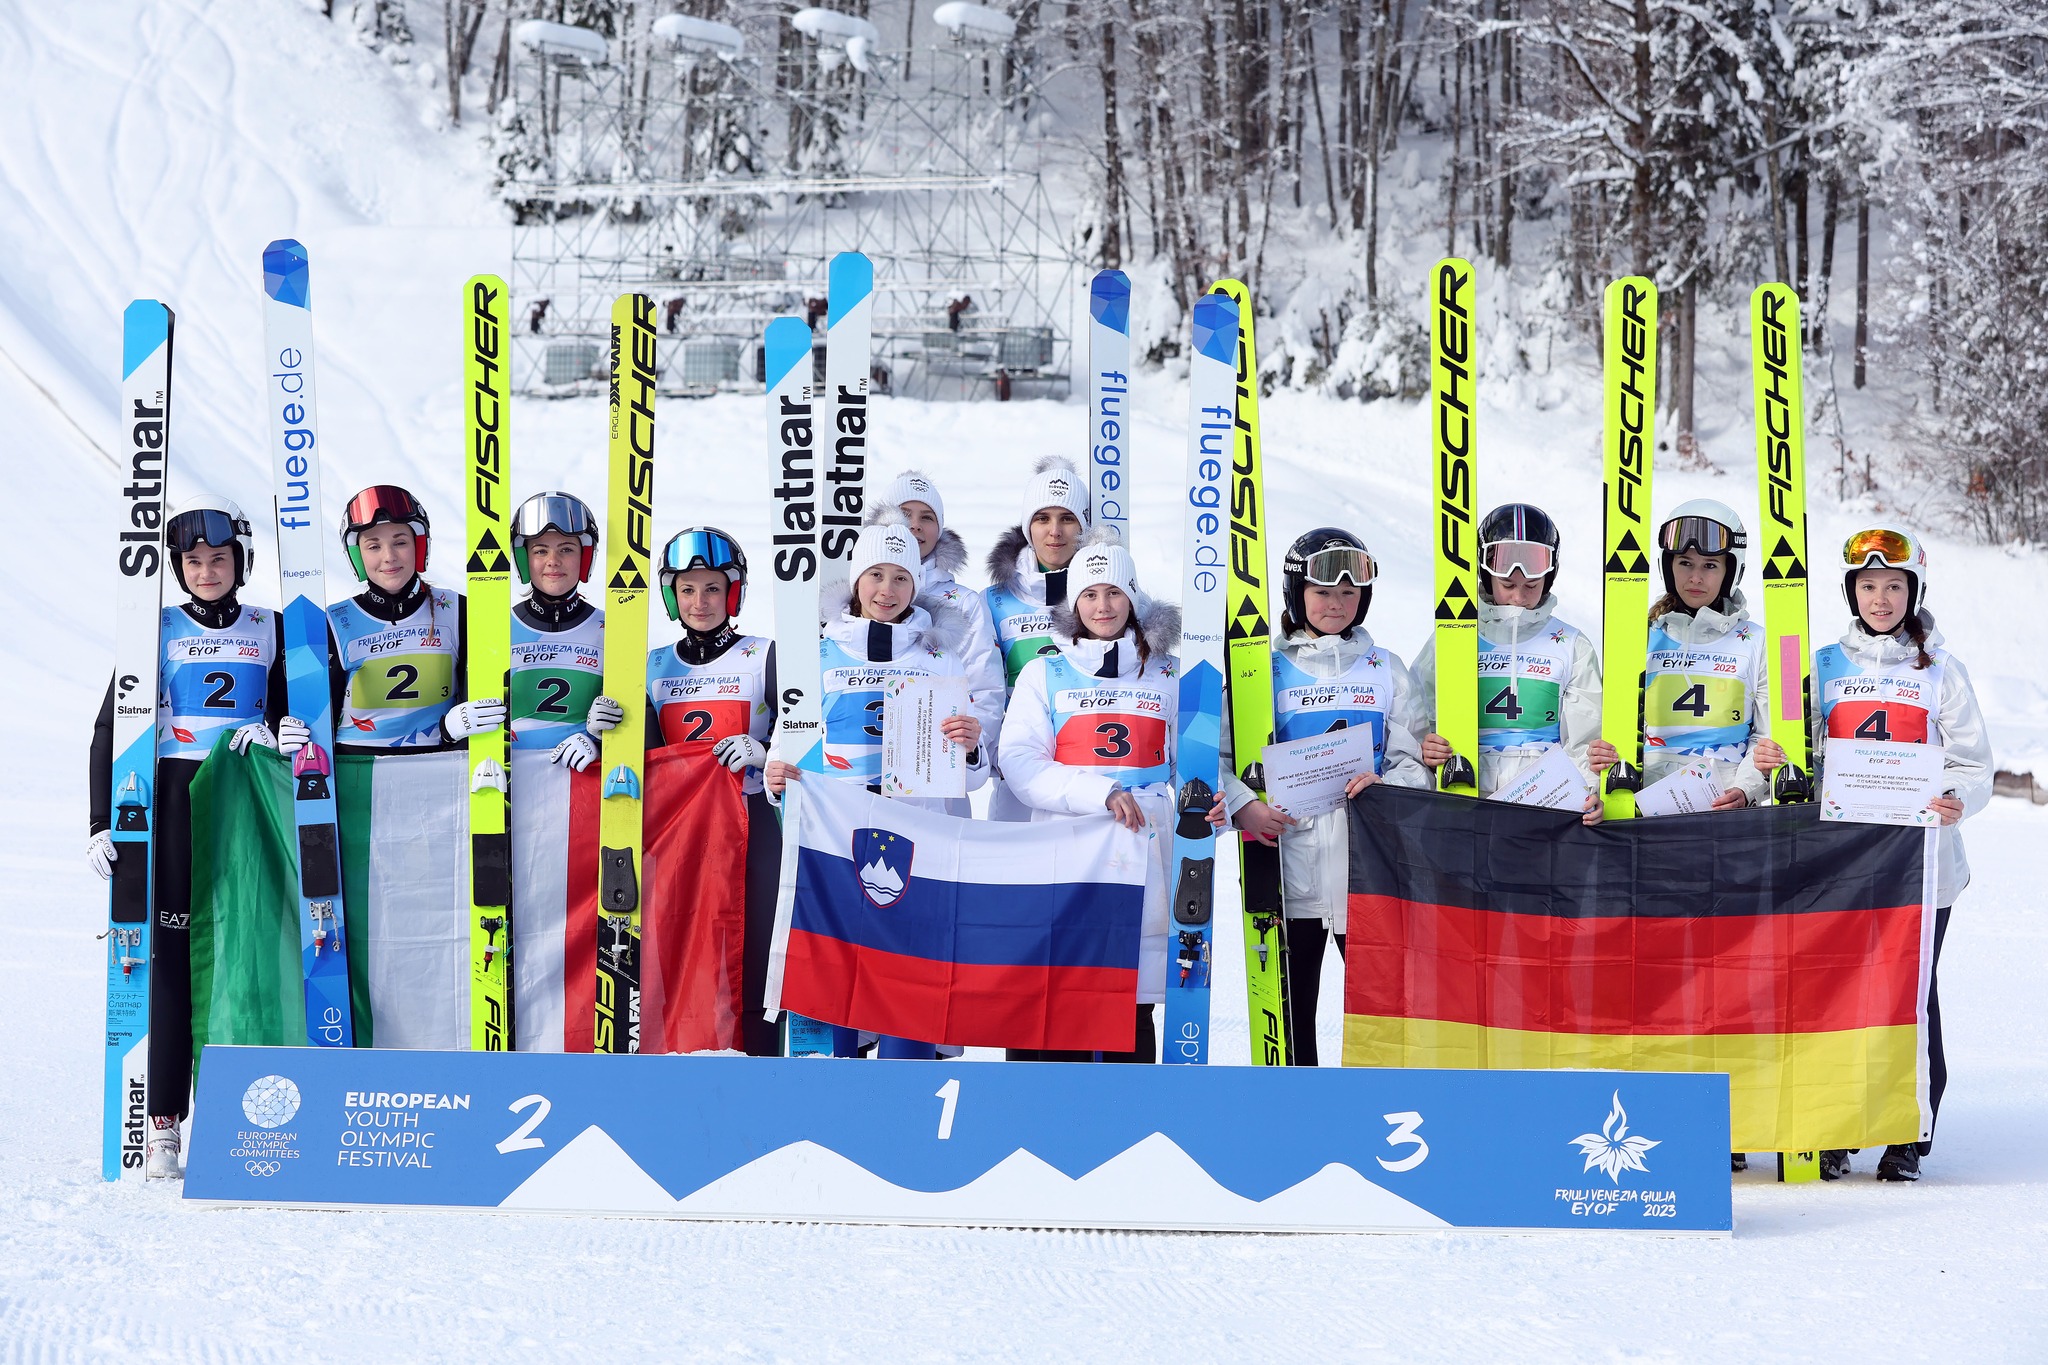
(519, 1141)
(950, 1093)
(1405, 1123)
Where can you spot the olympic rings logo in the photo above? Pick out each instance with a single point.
(262, 1168)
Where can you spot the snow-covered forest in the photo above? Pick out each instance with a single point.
(1888, 159)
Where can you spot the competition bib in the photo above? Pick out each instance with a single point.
(1858, 704)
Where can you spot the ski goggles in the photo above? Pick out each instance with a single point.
(384, 502)
(187, 531)
(1892, 549)
(1502, 557)
(1328, 567)
(1703, 534)
(553, 512)
(701, 549)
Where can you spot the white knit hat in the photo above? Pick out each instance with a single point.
(1054, 483)
(912, 486)
(886, 539)
(1102, 559)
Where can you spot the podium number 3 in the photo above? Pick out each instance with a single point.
(519, 1141)
(1405, 1123)
(950, 1093)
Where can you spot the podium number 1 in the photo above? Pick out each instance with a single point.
(950, 1093)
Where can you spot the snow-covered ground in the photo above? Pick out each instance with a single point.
(155, 154)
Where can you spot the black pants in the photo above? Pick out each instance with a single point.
(1145, 1047)
(1306, 941)
(170, 943)
(760, 1037)
(1937, 1060)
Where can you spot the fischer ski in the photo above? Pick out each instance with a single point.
(849, 356)
(1629, 416)
(1454, 469)
(1198, 729)
(488, 570)
(794, 487)
(302, 575)
(145, 413)
(1109, 402)
(1781, 488)
(1781, 484)
(1249, 643)
(628, 526)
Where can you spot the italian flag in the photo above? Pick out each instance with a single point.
(405, 875)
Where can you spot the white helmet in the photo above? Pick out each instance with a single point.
(1708, 526)
(207, 519)
(1885, 547)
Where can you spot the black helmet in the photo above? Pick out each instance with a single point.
(1326, 557)
(1528, 541)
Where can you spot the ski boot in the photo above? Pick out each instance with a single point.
(1834, 1163)
(161, 1152)
(1900, 1162)
(1738, 1161)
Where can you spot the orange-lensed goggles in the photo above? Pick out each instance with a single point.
(1893, 549)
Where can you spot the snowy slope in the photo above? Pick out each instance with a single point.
(152, 150)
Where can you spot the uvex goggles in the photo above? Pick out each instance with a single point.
(1502, 557)
(1327, 568)
(1707, 536)
(1894, 549)
(189, 530)
(553, 512)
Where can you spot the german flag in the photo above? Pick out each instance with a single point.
(1790, 953)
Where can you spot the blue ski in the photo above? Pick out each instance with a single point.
(1212, 409)
(302, 573)
(138, 656)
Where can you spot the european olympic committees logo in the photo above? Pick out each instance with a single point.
(270, 1101)
(1612, 1150)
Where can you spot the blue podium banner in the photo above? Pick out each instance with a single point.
(1022, 1144)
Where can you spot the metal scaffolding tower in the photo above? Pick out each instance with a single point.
(721, 182)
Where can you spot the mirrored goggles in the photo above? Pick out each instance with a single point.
(189, 530)
(553, 512)
(1503, 557)
(701, 550)
(1895, 549)
(380, 502)
(1327, 568)
(1699, 533)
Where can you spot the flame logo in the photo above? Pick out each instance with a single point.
(1611, 1150)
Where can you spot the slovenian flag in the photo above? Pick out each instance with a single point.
(1791, 953)
(968, 932)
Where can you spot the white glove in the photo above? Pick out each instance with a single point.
(468, 718)
(605, 714)
(577, 752)
(740, 751)
(100, 853)
(255, 732)
(292, 735)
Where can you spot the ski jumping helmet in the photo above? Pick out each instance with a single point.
(1517, 535)
(1709, 527)
(1885, 547)
(1326, 557)
(207, 519)
(384, 502)
(560, 512)
(703, 547)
